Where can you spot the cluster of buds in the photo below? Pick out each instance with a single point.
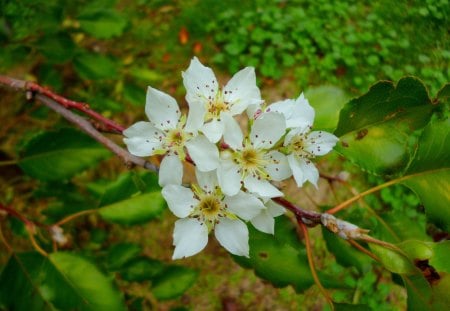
(234, 168)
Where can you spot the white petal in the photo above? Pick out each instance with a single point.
(233, 235)
(142, 139)
(303, 114)
(232, 132)
(179, 199)
(241, 91)
(162, 109)
(204, 153)
(303, 170)
(207, 180)
(244, 205)
(261, 187)
(229, 177)
(298, 113)
(274, 209)
(320, 143)
(189, 237)
(264, 222)
(267, 130)
(170, 171)
(278, 168)
(199, 81)
(196, 117)
(213, 130)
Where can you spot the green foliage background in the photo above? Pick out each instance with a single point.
(106, 52)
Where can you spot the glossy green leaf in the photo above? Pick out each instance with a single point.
(429, 173)
(63, 281)
(281, 258)
(134, 210)
(93, 66)
(173, 282)
(102, 23)
(376, 129)
(327, 102)
(61, 154)
(141, 269)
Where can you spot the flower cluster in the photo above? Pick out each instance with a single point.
(234, 169)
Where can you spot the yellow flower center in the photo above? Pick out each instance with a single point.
(252, 162)
(210, 206)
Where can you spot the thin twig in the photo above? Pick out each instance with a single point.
(89, 129)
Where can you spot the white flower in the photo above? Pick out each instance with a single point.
(249, 161)
(298, 112)
(302, 145)
(208, 103)
(206, 208)
(264, 221)
(165, 134)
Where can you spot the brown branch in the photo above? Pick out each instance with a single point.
(88, 128)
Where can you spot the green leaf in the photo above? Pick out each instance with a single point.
(61, 154)
(93, 66)
(429, 172)
(134, 210)
(57, 48)
(119, 254)
(394, 261)
(328, 102)
(134, 94)
(173, 282)
(376, 129)
(281, 258)
(441, 256)
(62, 281)
(102, 23)
(141, 269)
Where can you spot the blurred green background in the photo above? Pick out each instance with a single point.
(106, 52)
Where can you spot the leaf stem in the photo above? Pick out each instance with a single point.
(74, 216)
(345, 204)
(311, 264)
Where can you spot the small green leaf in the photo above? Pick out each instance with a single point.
(141, 269)
(59, 155)
(57, 48)
(93, 66)
(61, 281)
(173, 282)
(394, 261)
(134, 210)
(102, 23)
(119, 254)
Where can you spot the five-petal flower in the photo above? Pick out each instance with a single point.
(165, 134)
(205, 208)
(250, 161)
(208, 103)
